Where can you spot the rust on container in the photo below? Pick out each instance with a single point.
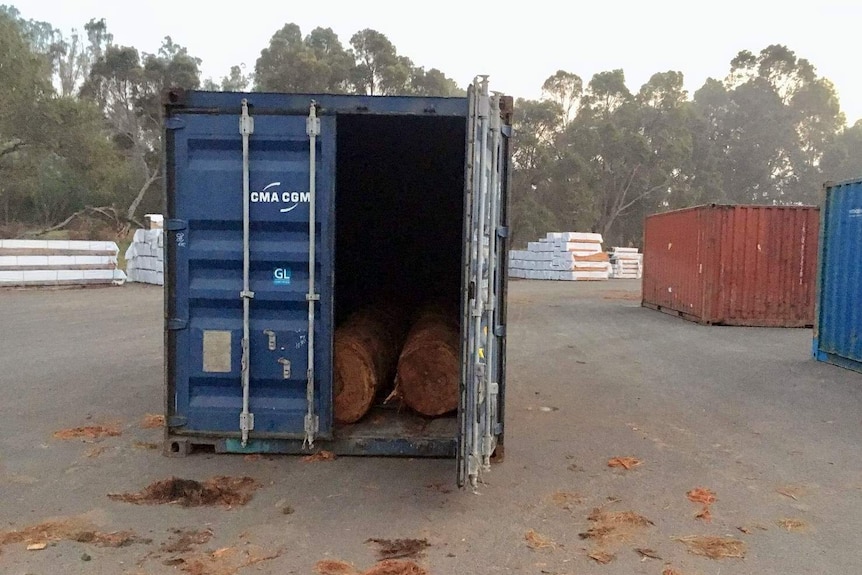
(733, 265)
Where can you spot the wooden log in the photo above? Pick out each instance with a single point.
(366, 349)
(429, 365)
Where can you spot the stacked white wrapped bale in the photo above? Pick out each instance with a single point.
(561, 256)
(145, 258)
(626, 263)
(58, 263)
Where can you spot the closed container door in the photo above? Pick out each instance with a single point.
(839, 329)
(228, 282)
(483, 321)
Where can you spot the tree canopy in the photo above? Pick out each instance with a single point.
(80, 126)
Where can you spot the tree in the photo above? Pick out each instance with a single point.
(433, 83)
(127, 88)
(537, 125)
(843, 159)
(379, 69)
(318, 63)
(237, 80)
(771, 124)
(606, 92)
(57, 160)
(566, 90)
(24, 82)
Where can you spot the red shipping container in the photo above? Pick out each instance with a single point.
(733, 265)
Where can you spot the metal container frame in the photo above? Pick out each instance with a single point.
(744, 265)
(837, 337)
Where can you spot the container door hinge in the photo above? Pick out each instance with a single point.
(502, 231)
(498, 429)
(176, 324)
(312, 425)
(500, 331)
(507, 130)
(176, 225)
(246, 423)
(174, 123)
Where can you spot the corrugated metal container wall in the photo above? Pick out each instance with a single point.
(287, 214)
(733, 265)
(838, 331)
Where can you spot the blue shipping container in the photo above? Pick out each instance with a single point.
(284, 213)
(838, 327)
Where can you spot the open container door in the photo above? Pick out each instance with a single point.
(248, 282)
(483, 289)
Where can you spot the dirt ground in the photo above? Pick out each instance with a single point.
(742, 412)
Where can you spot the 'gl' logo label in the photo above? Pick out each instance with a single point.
(281, 276)
(290, 200)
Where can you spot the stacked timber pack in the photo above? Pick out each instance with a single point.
(25, 263)
(561, 256)
(626, 263)
(145, 258)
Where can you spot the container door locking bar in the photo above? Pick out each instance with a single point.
(246, 128)
(312, 128)
(491, 386)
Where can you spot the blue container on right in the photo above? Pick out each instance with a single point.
(838, 322)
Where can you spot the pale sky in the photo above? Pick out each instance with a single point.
(518, 44)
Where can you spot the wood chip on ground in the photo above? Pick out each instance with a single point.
(89, 432)
(704, 514)
(602, 557)
(399, 548)
(322, 455)
(624, 462)
(334, 567)
(670, 571)
(70, 529)
(153, 421)
(649, 553)
(537, 541)
(747, 529)
(566, 499)
(226, 560)
(94, 452)
(790, 524)
(701, 495)
(793, 492)
(395, 567)
(183, 540)
(714, 547)
(614, 527)
(220, 490)
(145, 445)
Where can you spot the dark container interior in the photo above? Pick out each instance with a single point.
(399, 216)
